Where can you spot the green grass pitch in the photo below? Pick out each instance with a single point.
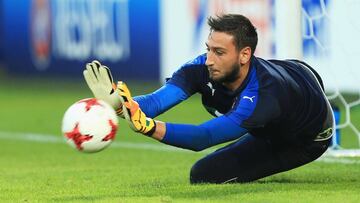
(37, 166)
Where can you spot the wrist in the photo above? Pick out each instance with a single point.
(159, 132)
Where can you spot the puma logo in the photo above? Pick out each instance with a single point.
(211, 87)
(249, 98)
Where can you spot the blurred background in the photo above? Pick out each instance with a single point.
(46, 44)
(149, 40)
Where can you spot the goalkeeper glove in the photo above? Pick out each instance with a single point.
(136, 119)
(100, 82)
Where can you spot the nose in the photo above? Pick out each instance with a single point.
(209, 60)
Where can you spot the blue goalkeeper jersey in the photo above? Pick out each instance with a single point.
(279, 99)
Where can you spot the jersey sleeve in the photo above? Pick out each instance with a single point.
(188, 76)
(199, 137)
(161, 100)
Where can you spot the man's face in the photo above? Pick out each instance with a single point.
(222, 57)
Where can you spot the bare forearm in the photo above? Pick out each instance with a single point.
(159, 131)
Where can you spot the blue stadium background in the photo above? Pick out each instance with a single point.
(18, 55)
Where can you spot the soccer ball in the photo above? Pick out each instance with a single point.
(89, 125)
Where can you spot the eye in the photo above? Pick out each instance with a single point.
(218, 52)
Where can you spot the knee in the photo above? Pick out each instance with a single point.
(198, 173)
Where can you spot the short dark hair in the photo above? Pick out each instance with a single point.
(238, 26)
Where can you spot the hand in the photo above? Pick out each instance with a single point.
(100, 82)
(133, 114)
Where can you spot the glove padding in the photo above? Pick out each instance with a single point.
(135, 117)
(100, 82)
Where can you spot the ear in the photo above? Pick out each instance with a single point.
(244, 55)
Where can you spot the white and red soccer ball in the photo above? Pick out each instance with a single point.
(89, 125)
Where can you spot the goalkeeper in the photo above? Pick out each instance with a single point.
(274, 111)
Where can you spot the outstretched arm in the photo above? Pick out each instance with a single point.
(161, 100)
(210, 133)
(198, 137)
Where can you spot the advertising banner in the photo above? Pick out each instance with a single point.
(58, 37)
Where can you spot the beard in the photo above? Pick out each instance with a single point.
(230, 76)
